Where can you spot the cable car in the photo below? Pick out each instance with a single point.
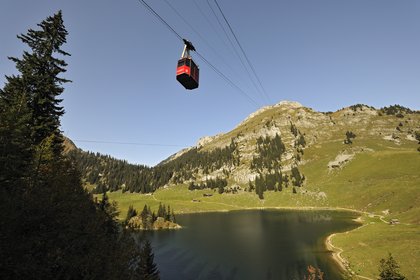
(187, 72)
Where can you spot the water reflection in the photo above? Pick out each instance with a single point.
(249, 245)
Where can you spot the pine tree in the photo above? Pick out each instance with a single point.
(40, 79)
(144, 216)
(130, 214)
(147, 267)
(161, 210)
(389, 269)
(50, 227)
(16, 149)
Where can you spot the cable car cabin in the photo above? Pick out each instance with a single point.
(187, 73)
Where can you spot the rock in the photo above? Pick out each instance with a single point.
(340, 160)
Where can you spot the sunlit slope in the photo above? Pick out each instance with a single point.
(380, 170)
(384, 177)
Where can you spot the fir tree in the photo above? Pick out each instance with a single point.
(16, 149)
(130, 214)
(41, 83)
(389, 269)
(50, 227)
(147, 267)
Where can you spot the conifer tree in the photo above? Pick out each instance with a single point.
(147, 267)
(130, 214)
(39, 77)
(389, 269)
(16, 149)
(50, 227)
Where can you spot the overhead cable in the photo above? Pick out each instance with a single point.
(160, 18)
(226, 79)
(126, 143)
(243, 51)
(229, 81)
(234, 48)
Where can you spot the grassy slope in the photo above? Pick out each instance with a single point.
(383, 176)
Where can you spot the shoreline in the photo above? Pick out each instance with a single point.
(336, 253)
(299, 208)
(342, 263)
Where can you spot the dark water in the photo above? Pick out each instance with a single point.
(260, 244)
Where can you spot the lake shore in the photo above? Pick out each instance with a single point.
(299, 208)
(336, 252)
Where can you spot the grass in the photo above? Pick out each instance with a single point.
(367, 245)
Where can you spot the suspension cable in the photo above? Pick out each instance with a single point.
(198, 34)
(229, 81)
(226, 78)
(161, 19)
(234, 48)
(127, 143)
(243, 52)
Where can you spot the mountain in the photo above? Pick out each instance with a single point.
(357, 157)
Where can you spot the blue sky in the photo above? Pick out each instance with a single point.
(325, 54)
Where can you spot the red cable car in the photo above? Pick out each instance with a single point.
(187, 72)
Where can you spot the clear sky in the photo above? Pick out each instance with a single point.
(325, 54)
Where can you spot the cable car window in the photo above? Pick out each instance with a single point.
(181, 62)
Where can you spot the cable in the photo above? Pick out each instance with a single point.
(198, 33)
(211, 24)
(160, 18)
(233, 47)
(126, 143)
(227, 79)
(201, 56)
(243, 52)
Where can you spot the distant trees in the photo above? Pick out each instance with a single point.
(297, 177)
(360, 107)
(268, 163)
(417, 136)
(349, 137)
(397, 110)
(269, 152)
(130, 214)
(217, 183)
(110, 174)
(389, 269)
(147, 219)
(271, 182)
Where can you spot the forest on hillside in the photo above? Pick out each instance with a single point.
(110, 174)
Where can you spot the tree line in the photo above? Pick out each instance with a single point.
(218, 183)
(110, 174)
(269, 152)
(147, 217)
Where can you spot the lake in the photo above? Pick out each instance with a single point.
(252, 244)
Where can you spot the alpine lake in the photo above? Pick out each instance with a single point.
(250, 244)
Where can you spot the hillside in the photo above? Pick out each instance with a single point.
(290, 156)
(357, 157)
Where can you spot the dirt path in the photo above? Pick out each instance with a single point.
(337, 251)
